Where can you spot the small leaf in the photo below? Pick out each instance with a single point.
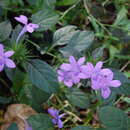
(63, 35)
(77, 98)
(79, 42)
(42, 76)
(97, 53)
(40, 122)
(13, 126)
(114, 118)
(46, 19)
(5, 30)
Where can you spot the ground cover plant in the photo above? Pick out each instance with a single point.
(65, 64)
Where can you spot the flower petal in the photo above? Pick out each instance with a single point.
(1, 51)
(99, 65)
(22, 19)
(31, 27)
(72, 60)
(60, 78)
(115, 83)
(53, 112)
(54, 121)
(60, 124)
(68, 83)
(82, 76)
(95, 85)
(9, 53)
(9, 63)
(61, 115)
(75, 79)
(81, 61)
(65, 67)
(1, 67)
(107, 73)
(106, 92)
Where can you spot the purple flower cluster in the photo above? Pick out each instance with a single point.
(28, 27)
(101, 79)
(4, 58)
(56, 117)
(70, 73)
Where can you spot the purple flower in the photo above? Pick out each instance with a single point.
(4, 58)
(56, 117)
(89, 71)
(28, 27)
(103, 81)
(69, 72)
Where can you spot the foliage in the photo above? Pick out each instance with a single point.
(70, 55)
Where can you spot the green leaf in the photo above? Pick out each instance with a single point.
(13, 126)
(29, 95)
(42, 4)
(97, 53)
(114, 118)
(42, 76)
(82, 128)
(67, 2)
(4, 100)
(63, 35)
(5, 30)
(125, 83)
(40, 122)
(77, 98)
(121, 17)
(79, 42)
(15, 34)
(126, 99)
(45, 18)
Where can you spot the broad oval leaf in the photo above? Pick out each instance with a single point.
(63, 35)
(42, 76)
(29, 95)
(45, 19)
(79, 42)
(77, 98)
(40, 122)
(5, 30)
(114, 118)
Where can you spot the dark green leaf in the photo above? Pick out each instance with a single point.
(40, 122)
(79, 42)
(5, 30)
(114, 118)
(45, 18)
(125, 83)
(4, 100)
(13, 126)
(30, 96)
(42, 76)
(77, 98)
